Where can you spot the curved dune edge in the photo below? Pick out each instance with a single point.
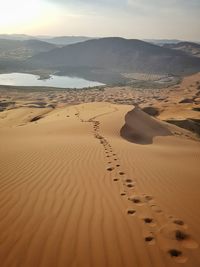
(141, 128)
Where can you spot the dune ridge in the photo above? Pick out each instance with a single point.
(141, 128)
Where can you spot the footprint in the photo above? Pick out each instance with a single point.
(121, 173)
(136, 200)
(115, 179)
(128, 181)
(180, 235)
(156, 208)
(130, 185)
(177, 232)
(148, 220)
(110, 169)
(185, 239)
(131, 212)
(149, 239)
(123, 194)
(174, 252)
(177, 255)
(178, 222)
(148, 198)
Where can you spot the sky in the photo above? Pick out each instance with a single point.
(142, 19)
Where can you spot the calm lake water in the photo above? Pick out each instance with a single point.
(24, 79)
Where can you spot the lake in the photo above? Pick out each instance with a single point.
(24, 79)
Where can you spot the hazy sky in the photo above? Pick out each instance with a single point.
(127, 18)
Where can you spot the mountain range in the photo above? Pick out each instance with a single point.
(118, 54)
(19, 50)
(189, 48)
(58, 40)
(103, 55)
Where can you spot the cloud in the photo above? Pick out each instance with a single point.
(85, 2)
(160, 4)
(141, 3)
(131, 7)
(128, 18)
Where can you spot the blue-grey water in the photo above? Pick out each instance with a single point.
(24, 79)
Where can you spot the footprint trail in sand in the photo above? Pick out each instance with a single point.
(168, 232)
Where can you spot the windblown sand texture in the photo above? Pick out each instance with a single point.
(75, 192)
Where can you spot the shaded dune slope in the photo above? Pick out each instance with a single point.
(140, 128)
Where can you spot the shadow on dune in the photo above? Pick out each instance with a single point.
(192, 125)
(141, 128)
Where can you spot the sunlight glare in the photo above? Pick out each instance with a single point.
(15, 14)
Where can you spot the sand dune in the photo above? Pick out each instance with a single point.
(73, 192)
(141, 128)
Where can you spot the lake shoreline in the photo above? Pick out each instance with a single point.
(19, 79)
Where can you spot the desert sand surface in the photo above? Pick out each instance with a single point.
(102, 183)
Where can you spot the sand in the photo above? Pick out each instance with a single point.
(75, 191)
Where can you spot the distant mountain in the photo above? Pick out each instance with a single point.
(120, 55)
(162, 41)
(66, 40)
(18, 37)
(192, 49)
(15, 49)
(39, 46)
(59, 40)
